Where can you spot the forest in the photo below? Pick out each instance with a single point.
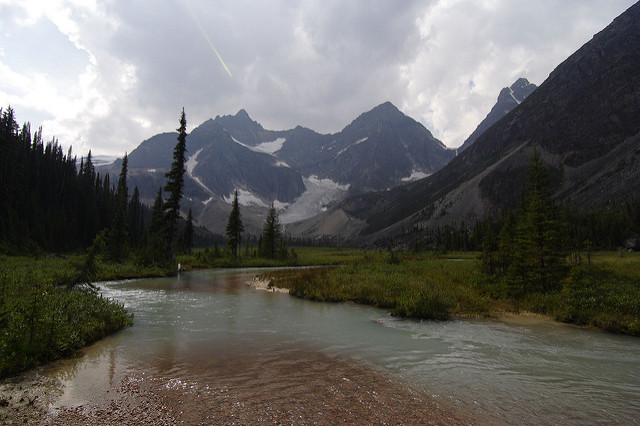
(49, 202)
(51, 206)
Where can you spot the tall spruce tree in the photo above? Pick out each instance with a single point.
(271, 235)
(175, 186)
(538, 255)
(154, 250)
(234, 227)
(117, 238)
(187, 240)
(157, 218)
(89, 203)
(135, 218)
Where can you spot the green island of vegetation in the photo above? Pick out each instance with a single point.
(603, 294)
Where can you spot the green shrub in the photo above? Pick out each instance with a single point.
(41, 321)
(427, 303)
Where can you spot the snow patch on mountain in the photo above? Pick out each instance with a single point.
(359, 141)
(279, 205)
(341, 151)
(265, 147)
(281, 163)
(415, 175)
(513, 96)
(270, 147)
(240, 143)
(246, 198)
(319, 193)
(191, 164)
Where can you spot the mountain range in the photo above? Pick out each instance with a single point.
(582, 120)
(302, 172)
(385, 176)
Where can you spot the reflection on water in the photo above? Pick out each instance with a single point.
(205, 323)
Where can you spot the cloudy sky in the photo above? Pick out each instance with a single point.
(107, 74)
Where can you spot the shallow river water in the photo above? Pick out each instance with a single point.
(518, 371)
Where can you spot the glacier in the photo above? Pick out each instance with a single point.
(318, 194)
(415, 175)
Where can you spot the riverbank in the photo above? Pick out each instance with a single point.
(46, 313)
(292, 387)
(261, 282)
(602, 294)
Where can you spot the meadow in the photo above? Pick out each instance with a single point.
(44, 316)
(603, 294)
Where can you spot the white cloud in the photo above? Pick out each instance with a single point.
(470, 50)
(123, 70)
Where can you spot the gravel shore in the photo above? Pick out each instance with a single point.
(299, 388)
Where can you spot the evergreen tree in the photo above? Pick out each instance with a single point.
(247, 248)
(89, 204)
(135, 218)
(157, 217)
(216, 250)
(117, 238)
(175, 186)
(234, 227)
(537, 261)
(154, 250)
(506, 241)
(489, 259)
(272, 241)
(188, 233)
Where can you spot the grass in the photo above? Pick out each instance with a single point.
(43, 319)
(604, 294)
(411, 285)
(299, 256)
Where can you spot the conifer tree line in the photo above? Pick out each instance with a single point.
(271, 244)
(605, 228)
(528, 254)
(49, 202)
(530, 249)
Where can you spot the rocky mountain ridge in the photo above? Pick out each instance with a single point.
(509, 98)
(583, 121)
(300, 171)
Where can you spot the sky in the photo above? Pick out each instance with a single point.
(104, 75)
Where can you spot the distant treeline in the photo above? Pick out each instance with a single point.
(47, 201)
(51, 202)
(600, 228)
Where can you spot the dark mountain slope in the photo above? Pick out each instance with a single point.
(244, 129)
(508, 99)
(582, 118)
(379, 149)
(302, 148)
(154, 153)
(224, 165)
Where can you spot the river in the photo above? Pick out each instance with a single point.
(523, 370)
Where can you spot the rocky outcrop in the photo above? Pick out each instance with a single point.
(508, 99)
